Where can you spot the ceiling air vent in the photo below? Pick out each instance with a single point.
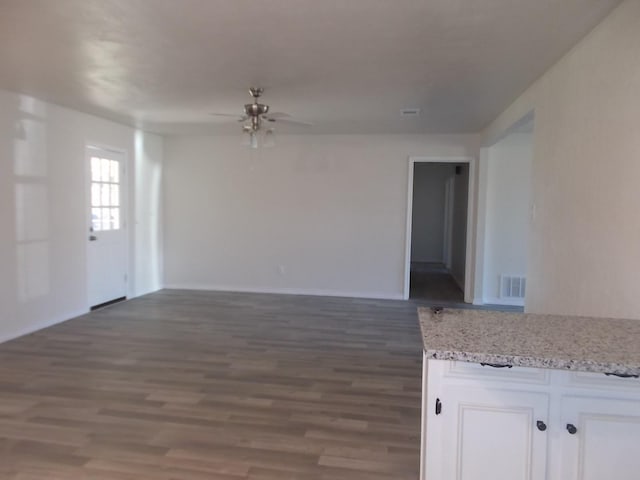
(410, 112)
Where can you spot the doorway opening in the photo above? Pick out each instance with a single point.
(106, 226)
(437, 234)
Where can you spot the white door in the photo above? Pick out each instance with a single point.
(106, 236)
(491, 434)
(600, 439)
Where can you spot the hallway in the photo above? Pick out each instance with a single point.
(432, 282)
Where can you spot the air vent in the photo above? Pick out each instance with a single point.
(410, 112)
(512, 286)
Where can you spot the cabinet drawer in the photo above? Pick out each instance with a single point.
(600, 381)
(486, 372)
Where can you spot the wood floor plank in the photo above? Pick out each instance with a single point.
(200, 385)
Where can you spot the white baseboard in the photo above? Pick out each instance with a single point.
(40, 325)
(54, 321)
(285, 291)
(503, 301)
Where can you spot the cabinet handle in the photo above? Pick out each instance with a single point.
(496, 365)
(571, 428)
(622, 375)
(438, 406)
(541, 425)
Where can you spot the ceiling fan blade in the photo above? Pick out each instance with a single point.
(278, 115)
(291, 122)
(239, 118)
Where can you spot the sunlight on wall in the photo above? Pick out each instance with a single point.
(31, 201)
(148, 229)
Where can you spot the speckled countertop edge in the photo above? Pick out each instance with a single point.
(538, 341)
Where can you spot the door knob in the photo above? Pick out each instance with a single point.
(92, 238)
(541, 425)
(571, 428)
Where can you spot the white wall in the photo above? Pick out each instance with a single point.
(331, 210)
(584, 256)
(147, 227)
(43, 220)
(508, 197)
(427, 224)
(459, 230)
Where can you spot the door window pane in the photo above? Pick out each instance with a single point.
(95, 195)
(115, 218)
(104, 169)
(105, 194)
(106, 221)
(96, 219)
(115, 196)
(114, 171)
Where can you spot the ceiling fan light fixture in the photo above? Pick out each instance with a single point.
(253, 140)
(258, 138)
(255, 119)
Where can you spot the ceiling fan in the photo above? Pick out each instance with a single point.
(255, 114)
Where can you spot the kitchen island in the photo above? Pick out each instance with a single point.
(509, 396)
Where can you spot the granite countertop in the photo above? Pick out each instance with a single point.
(528, 340)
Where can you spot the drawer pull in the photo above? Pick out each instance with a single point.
(541, 425)
(571, 428)
(438, 406)
(622, 375)
(496, 365)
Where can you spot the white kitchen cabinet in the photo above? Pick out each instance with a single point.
(483, 423)
(479, 431)
(492, 434)
(601, 439)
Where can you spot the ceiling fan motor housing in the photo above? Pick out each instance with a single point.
(255, 109)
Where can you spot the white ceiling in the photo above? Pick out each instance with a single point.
(348, 66)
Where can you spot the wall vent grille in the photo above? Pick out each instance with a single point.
(512, 286)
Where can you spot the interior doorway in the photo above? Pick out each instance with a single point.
(437, 231)
(106, 227)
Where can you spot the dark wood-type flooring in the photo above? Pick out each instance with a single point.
(183, 385)
(432, 282)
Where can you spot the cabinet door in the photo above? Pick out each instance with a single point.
(489, 434)
(605, 442)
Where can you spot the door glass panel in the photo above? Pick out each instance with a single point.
(95, 195)
(105, 194)
(115, 195)
(115, 218)
(96, 219)
(104, 167)
(106, 224)
(114, 172)
(106, 191)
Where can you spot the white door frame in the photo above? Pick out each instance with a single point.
(449, 195)
(471, 205)
(124, 212)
